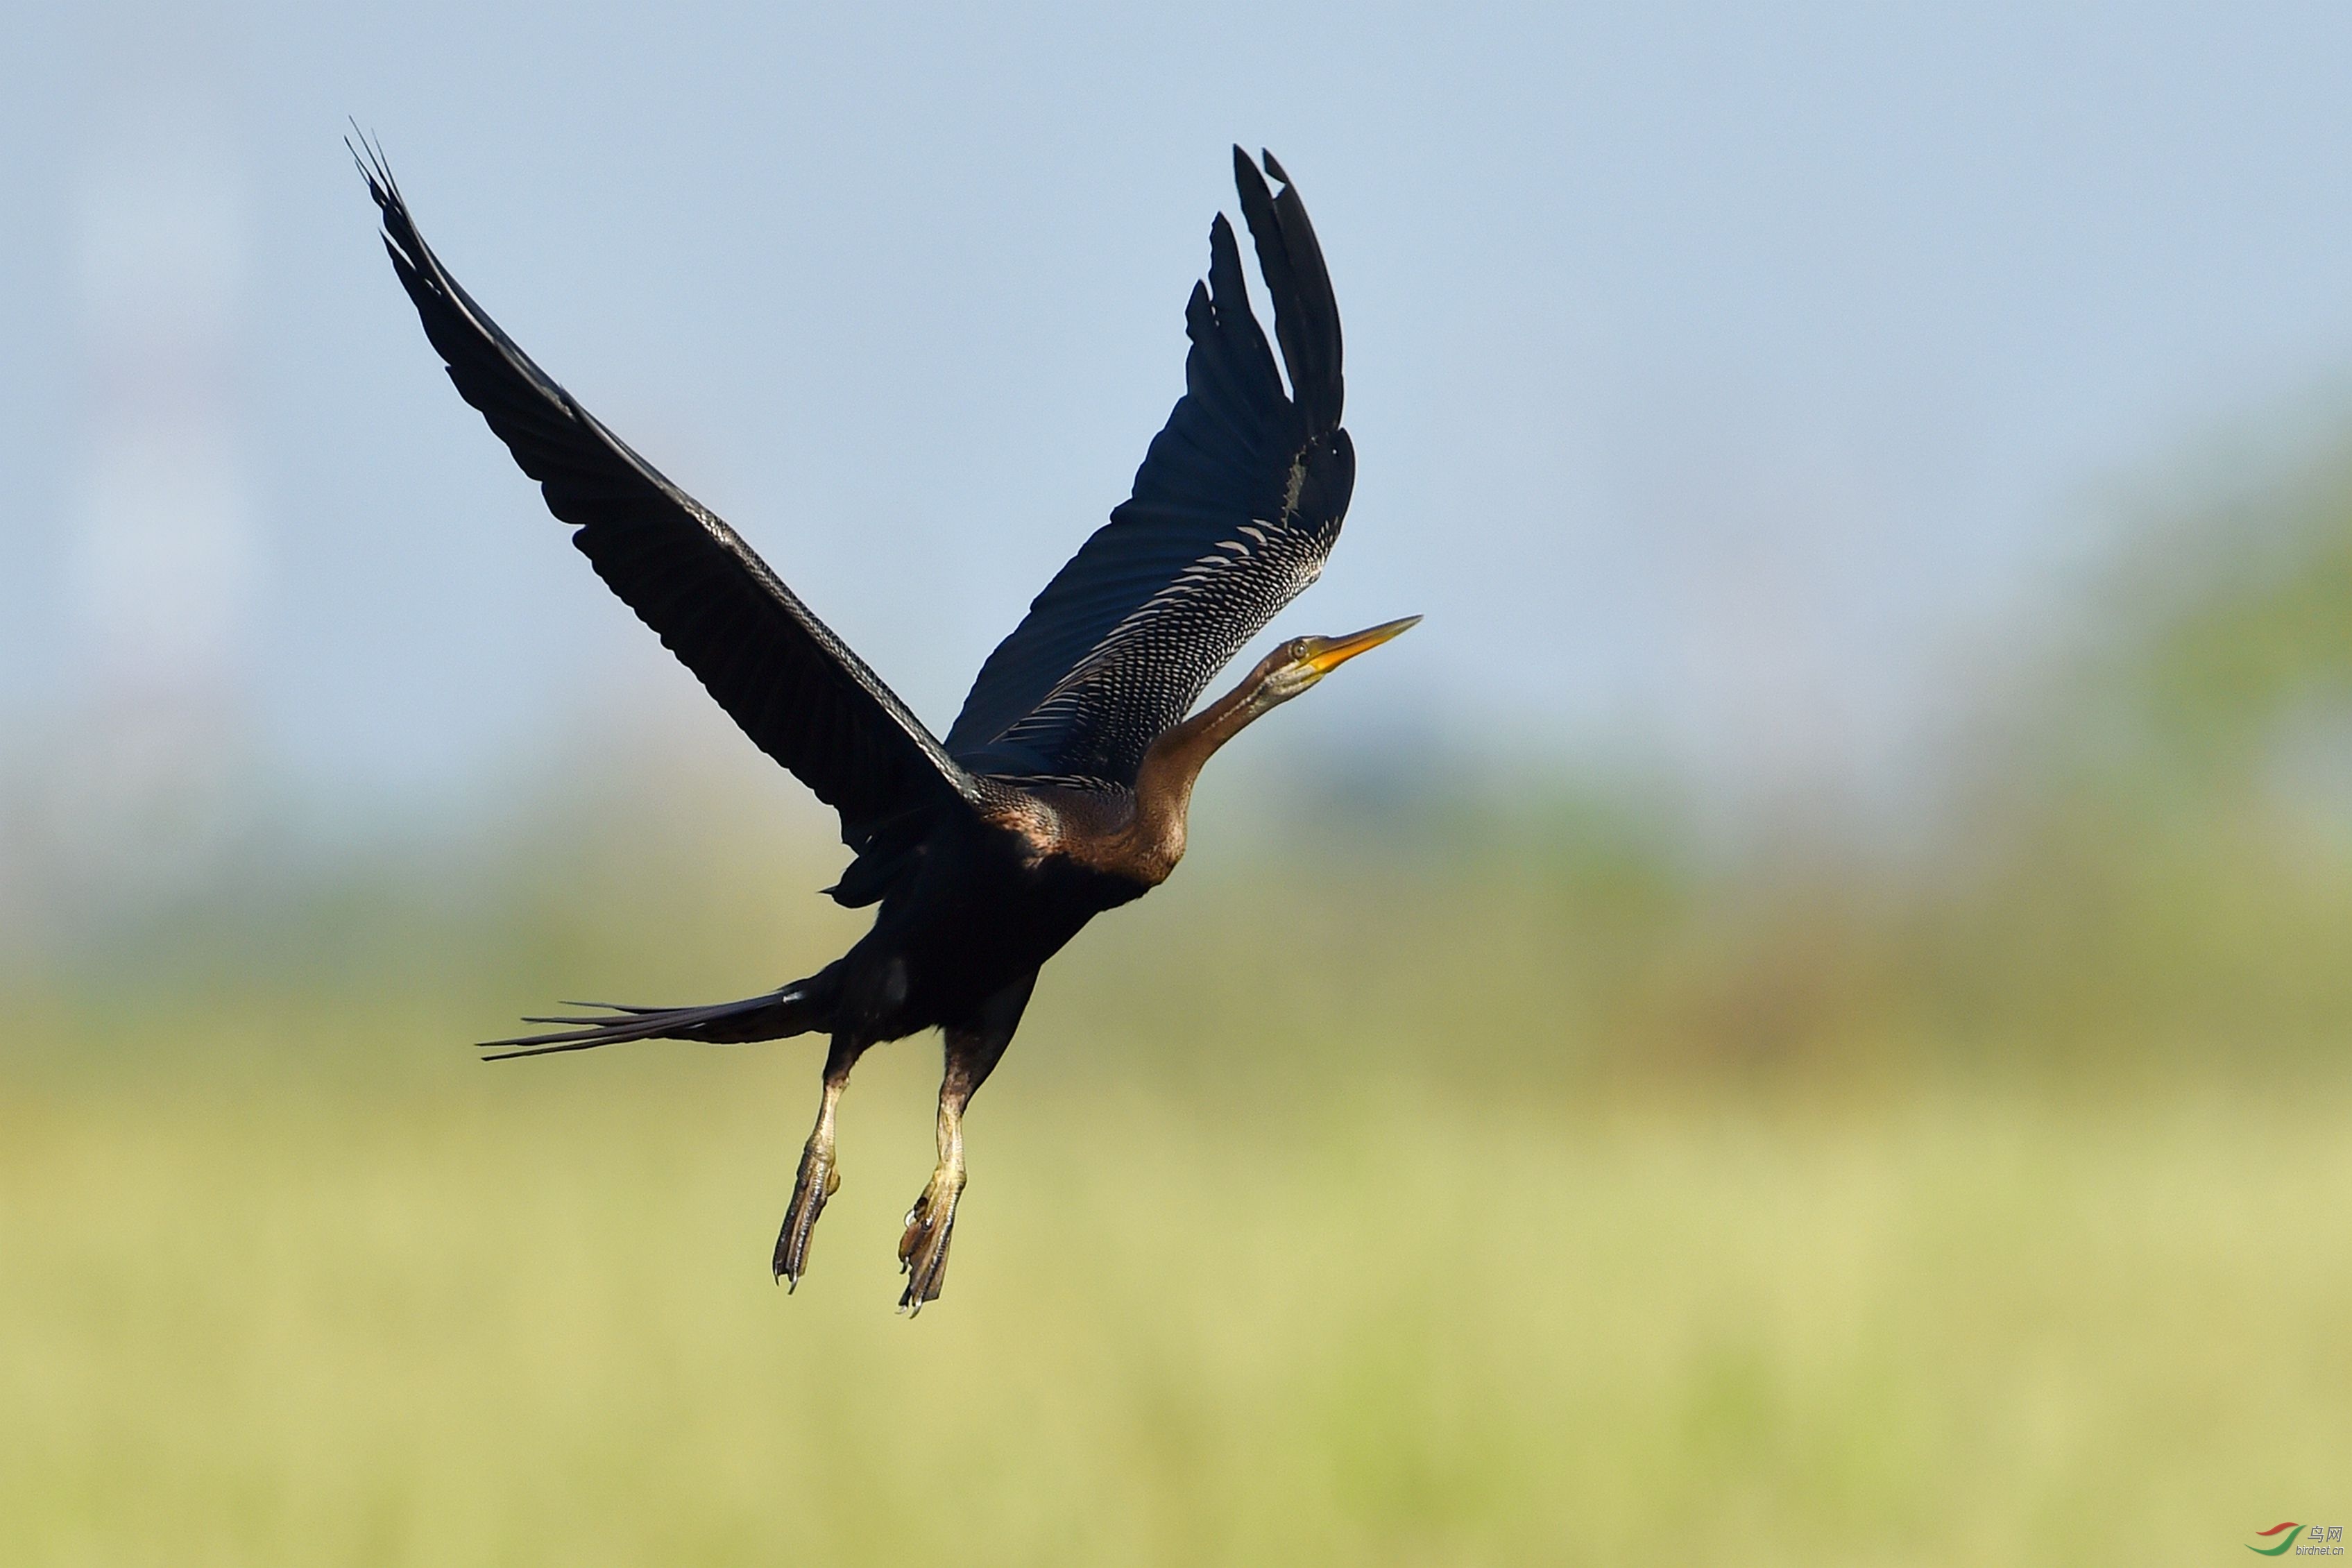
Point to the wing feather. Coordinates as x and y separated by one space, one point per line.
1239 501
794 686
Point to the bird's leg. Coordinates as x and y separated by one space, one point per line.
972 1055
930 1224
817 1180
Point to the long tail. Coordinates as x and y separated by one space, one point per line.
797 1009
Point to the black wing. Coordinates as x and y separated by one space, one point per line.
795 688
1235 506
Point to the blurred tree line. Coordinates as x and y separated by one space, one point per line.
2142 859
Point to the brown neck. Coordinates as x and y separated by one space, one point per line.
1163 782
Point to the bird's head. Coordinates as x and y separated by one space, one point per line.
1163 784
1302 661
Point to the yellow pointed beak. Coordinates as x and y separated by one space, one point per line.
1337 651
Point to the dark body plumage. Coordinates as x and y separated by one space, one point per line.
1060 791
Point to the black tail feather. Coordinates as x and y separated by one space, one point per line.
797 1009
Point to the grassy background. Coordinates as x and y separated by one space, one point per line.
460 1316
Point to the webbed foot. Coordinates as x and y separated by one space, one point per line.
817 1181
930 1225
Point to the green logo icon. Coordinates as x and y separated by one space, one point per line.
2286 1533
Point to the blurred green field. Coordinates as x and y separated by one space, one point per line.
452 1315
1427 1190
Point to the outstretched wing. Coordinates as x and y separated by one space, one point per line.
795 688
1237 504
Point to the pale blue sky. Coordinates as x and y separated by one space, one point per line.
1721 374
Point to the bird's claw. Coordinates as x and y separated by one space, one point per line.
817 1181
923 1250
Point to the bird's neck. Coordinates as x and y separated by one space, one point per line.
1163 782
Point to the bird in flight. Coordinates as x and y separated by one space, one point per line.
1061 789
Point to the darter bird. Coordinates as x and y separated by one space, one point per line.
1061 789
